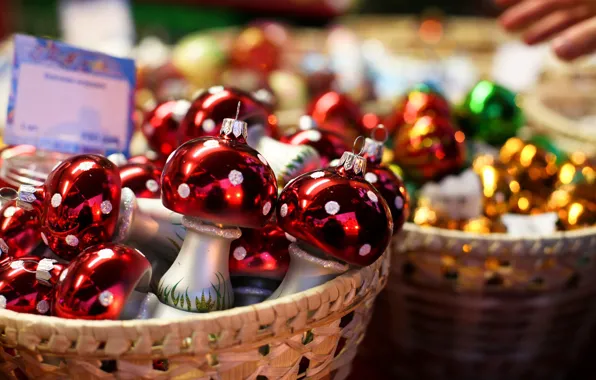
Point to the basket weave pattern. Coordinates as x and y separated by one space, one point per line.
312 334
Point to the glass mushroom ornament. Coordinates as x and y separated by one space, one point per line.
218 184
336 219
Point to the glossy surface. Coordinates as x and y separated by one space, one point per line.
329 145
144 159
338 113
259 47
142 179
498 186
160 126
417 103
80 205
20 228
260 253
26 285
220 180
337 212
98 283
429 149
490 113
211 107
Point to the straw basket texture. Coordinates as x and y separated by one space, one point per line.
313 334
469 307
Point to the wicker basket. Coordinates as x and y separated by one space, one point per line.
313 334
470 307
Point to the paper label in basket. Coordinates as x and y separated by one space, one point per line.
70 100
457 196
530 225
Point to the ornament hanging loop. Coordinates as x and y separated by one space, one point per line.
237 111
8 194
356 144
374 133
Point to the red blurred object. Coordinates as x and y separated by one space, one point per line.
221 180
260 253
98 283
26 284
429 149
20 228
142 179
210 108
417 103
337 113
161 126
390 186
259 47
79 204
145 160
165 82
337 212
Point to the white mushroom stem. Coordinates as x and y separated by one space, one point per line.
199 279
151 307
307 271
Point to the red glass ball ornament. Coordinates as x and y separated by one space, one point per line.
26 284
416 104
260 253
329 145
79 204
209 109
142 179
337 212
99 282
391 186
161 124
337 113
221 180
429 149
20 228
259 47
150 158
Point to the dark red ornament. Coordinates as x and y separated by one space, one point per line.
20 228
416 104
336 212
161 126
391 187
98 284
142 179
260 253
79 204
259 47
149 158
336 112
221 180
429 149
26 284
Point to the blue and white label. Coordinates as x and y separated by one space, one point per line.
70 100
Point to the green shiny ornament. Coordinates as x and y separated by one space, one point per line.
490 113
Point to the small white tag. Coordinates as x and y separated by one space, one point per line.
530 225
459 197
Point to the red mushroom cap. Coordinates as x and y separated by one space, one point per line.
260 253
98 283
207 112
142 179
161 126
337 113
337 212
20 228
81 204
220 180
26 284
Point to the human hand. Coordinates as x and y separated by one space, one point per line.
570 23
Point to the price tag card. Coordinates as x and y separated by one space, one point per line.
530 225
69 100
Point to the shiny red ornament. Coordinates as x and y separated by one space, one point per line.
261 253
100 281
150 158
329 145
259 47
142 179
20 228
221 180
416 104
79 204
161 125
429 149
26 284
391 186
338 213
337 113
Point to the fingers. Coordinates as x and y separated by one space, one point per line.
528 12
576 41
506 3
555 23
